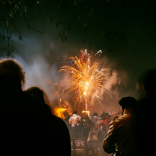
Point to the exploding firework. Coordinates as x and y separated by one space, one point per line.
86 80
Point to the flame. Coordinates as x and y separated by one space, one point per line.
58 111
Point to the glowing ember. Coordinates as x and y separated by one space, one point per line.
87 112
85 79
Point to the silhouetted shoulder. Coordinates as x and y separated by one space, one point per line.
61 137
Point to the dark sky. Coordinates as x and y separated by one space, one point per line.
124 30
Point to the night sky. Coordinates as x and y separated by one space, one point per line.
124 30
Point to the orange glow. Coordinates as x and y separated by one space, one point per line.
88 112
58 111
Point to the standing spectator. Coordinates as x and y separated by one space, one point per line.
26 127
146 114
76 124
86 129
93 134
122 130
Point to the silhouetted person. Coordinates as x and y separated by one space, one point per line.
146 114
122 130
86 129
26 127
94 118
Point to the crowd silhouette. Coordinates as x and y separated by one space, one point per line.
28 125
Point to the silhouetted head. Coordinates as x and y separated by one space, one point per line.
126 102
40 95
95 114
149 81
74 112
146 81
37 92
11 74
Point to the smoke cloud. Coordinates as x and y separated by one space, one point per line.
42 62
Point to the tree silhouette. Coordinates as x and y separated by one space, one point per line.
64 14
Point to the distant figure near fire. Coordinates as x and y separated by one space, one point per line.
76 124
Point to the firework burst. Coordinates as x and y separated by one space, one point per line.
85 78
